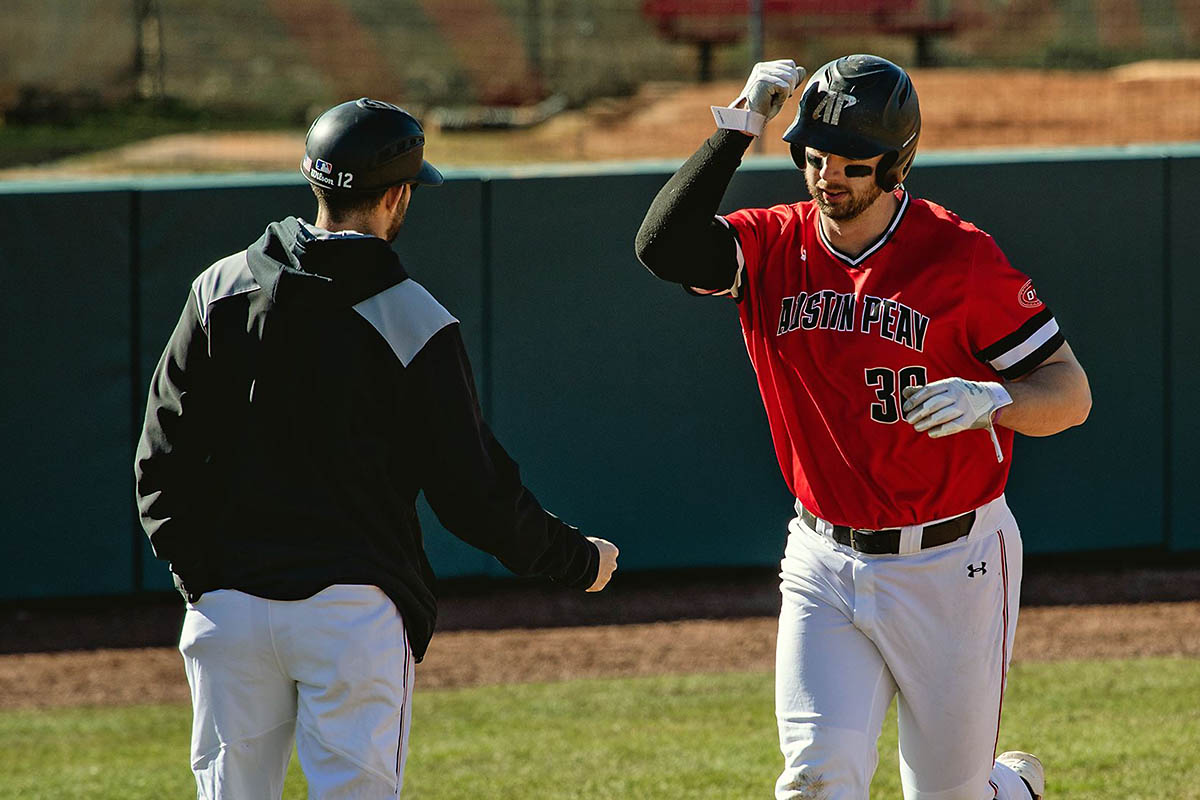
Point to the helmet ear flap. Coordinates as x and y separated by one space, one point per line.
886 174
797 151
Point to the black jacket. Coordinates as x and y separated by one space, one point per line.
310 390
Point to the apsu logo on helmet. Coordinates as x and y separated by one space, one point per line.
830 109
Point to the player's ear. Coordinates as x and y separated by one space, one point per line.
393 195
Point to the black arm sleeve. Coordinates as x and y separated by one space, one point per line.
680 239
171 470
473 485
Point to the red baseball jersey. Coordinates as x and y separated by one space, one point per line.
833 340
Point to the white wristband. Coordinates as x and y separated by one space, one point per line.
739 119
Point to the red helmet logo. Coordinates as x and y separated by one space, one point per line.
1028 296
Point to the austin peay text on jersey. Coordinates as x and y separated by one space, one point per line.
826 309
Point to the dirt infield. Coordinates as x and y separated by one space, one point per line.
487 636
1153 101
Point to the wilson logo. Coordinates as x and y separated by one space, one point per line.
830 109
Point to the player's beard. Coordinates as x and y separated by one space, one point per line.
849 208
397 221
396 224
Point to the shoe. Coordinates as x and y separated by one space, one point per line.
1029 768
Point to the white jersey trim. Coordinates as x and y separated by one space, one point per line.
226 278
321 234
874 248
1021 351
407 316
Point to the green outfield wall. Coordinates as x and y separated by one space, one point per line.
631 407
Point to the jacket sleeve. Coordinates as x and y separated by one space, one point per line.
473 485
680 239
170 468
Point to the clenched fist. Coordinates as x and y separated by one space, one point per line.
769 86
953 405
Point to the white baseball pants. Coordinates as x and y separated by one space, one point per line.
334 672
935 626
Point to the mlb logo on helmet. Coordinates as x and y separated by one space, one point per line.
323 166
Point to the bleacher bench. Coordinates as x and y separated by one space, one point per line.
711 22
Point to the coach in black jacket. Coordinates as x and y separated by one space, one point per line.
310 390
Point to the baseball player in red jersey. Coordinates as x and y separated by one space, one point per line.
897 352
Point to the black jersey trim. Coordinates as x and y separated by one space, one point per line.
1031 361
1017 337
874 248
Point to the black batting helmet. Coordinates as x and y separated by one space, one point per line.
857 107
366 145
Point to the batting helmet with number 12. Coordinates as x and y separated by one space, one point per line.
366 145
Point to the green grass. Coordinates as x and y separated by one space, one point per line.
102 129
1106 730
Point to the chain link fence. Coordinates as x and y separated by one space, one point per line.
282 58
101 87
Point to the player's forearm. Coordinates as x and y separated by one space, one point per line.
680 240
480 498
1052 398
474 486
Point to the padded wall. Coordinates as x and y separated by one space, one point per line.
1183 300
630 405
65 394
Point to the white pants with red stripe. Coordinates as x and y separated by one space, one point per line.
934 626
334 672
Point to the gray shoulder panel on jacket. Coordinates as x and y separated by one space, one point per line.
227 277
406 316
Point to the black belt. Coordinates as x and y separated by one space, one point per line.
888 541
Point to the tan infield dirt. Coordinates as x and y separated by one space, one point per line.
1144 102
484 640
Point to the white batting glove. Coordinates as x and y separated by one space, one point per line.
954 405
608 562
769 86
